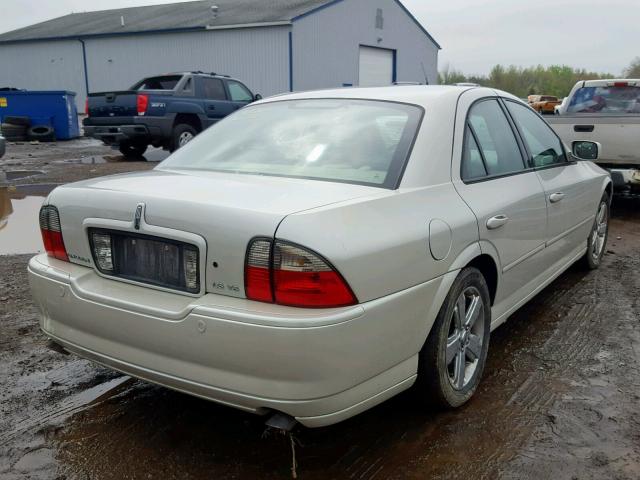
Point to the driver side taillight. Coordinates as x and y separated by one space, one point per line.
52 233
291 275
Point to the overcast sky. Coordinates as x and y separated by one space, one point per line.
599 35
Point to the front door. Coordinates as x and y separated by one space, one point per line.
569 188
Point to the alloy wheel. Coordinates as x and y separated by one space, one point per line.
465 338
599 233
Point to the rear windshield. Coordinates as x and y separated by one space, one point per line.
351 141
166 82
614 100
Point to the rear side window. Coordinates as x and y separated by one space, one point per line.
239 92
495 138
166 82
472 162
213 89
622 99
544 146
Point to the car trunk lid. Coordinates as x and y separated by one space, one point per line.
224 210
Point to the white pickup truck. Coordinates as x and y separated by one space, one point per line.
606 112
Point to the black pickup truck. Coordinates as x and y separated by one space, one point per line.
164 111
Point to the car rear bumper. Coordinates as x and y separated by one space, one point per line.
114 130
318 366
625 178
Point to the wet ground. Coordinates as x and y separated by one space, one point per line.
560 398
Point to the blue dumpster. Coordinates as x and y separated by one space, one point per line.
54 108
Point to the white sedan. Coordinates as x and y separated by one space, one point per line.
316 253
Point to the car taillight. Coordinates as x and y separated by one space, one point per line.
86 107
257 275
143 104
52 233
292 275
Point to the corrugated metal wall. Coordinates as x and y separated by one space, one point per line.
257 56
326 44
43 66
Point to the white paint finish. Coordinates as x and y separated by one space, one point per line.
257 56
54 65
321 366
375 67
326 45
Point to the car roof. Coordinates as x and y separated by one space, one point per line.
423 95
610 82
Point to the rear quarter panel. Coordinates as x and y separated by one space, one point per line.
382 246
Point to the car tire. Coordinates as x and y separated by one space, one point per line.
14 133
452 360
181 135
42 133
598 235
131 149
15 120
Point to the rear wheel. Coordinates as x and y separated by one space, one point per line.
598 236
182 134
453 358
132 149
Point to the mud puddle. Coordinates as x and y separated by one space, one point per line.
19 228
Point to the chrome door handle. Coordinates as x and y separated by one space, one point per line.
497 222
556 197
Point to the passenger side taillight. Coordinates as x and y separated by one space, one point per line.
52 233
292 275
143 104
86 107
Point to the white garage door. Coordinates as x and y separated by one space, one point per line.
376 67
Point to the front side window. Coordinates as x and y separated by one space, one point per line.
495 138
352 141
544 146
213 89
623 99
238 92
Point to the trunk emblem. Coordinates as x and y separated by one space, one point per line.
138 216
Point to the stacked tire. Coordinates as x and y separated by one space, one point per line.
19 129
15 129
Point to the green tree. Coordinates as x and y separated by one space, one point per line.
633 71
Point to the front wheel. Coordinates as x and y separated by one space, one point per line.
453 358
182 134
598 235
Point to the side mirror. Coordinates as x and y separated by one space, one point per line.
584 150
257 97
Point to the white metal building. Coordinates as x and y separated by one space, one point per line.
274 46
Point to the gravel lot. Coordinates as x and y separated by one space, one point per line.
560 398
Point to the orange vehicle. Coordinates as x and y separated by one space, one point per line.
543 104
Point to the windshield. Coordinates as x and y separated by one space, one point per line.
352 141
614 100
166 82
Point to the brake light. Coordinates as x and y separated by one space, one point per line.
257 277
292 275
621 84
52 233
143 104
86 107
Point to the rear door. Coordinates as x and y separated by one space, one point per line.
570 189
215 101
505 194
